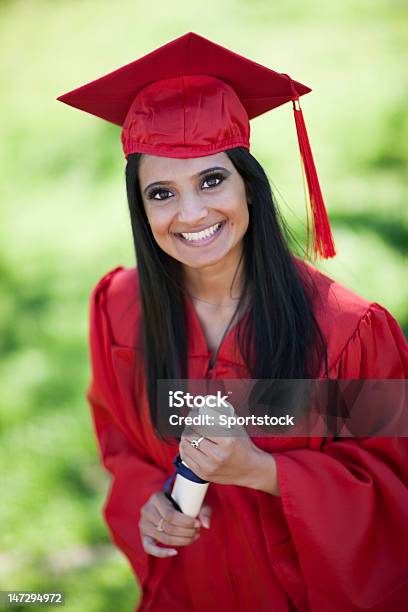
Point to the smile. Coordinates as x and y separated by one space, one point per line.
204 237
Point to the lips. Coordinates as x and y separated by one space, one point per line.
202 229
201 241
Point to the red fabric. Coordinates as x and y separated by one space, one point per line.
323 243
185 116
110 97
335 540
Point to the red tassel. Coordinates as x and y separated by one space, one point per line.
323 243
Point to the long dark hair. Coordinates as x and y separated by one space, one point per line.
285 334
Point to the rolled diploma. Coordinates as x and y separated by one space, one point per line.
188 493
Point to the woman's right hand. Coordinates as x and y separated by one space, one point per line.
178 529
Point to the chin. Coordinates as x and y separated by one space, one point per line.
198 263
197 260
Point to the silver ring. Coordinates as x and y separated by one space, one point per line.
160 524
195 443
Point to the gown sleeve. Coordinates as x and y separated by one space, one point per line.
134 477
346 503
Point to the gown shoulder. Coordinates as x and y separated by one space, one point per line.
363 338
118 293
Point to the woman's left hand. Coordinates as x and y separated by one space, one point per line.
229 460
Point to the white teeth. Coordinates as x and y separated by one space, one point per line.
204 234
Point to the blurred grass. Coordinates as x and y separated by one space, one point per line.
64 222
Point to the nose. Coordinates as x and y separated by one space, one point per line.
192 210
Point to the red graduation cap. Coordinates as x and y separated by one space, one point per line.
192 97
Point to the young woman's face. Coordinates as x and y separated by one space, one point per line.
197 208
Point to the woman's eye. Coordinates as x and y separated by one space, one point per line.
211 181
158 192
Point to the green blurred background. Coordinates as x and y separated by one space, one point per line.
64 223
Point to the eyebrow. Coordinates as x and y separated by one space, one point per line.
166 182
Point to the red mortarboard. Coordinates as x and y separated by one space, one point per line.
192 97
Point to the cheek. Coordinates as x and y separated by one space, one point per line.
243 223
236 202
159 222
238 211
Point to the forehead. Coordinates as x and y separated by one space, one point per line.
154 167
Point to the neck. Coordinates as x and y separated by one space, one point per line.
219 284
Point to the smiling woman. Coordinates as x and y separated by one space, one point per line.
218 273
218 294
203 204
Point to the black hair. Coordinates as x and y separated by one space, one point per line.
287 340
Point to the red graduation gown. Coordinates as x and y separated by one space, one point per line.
337 537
